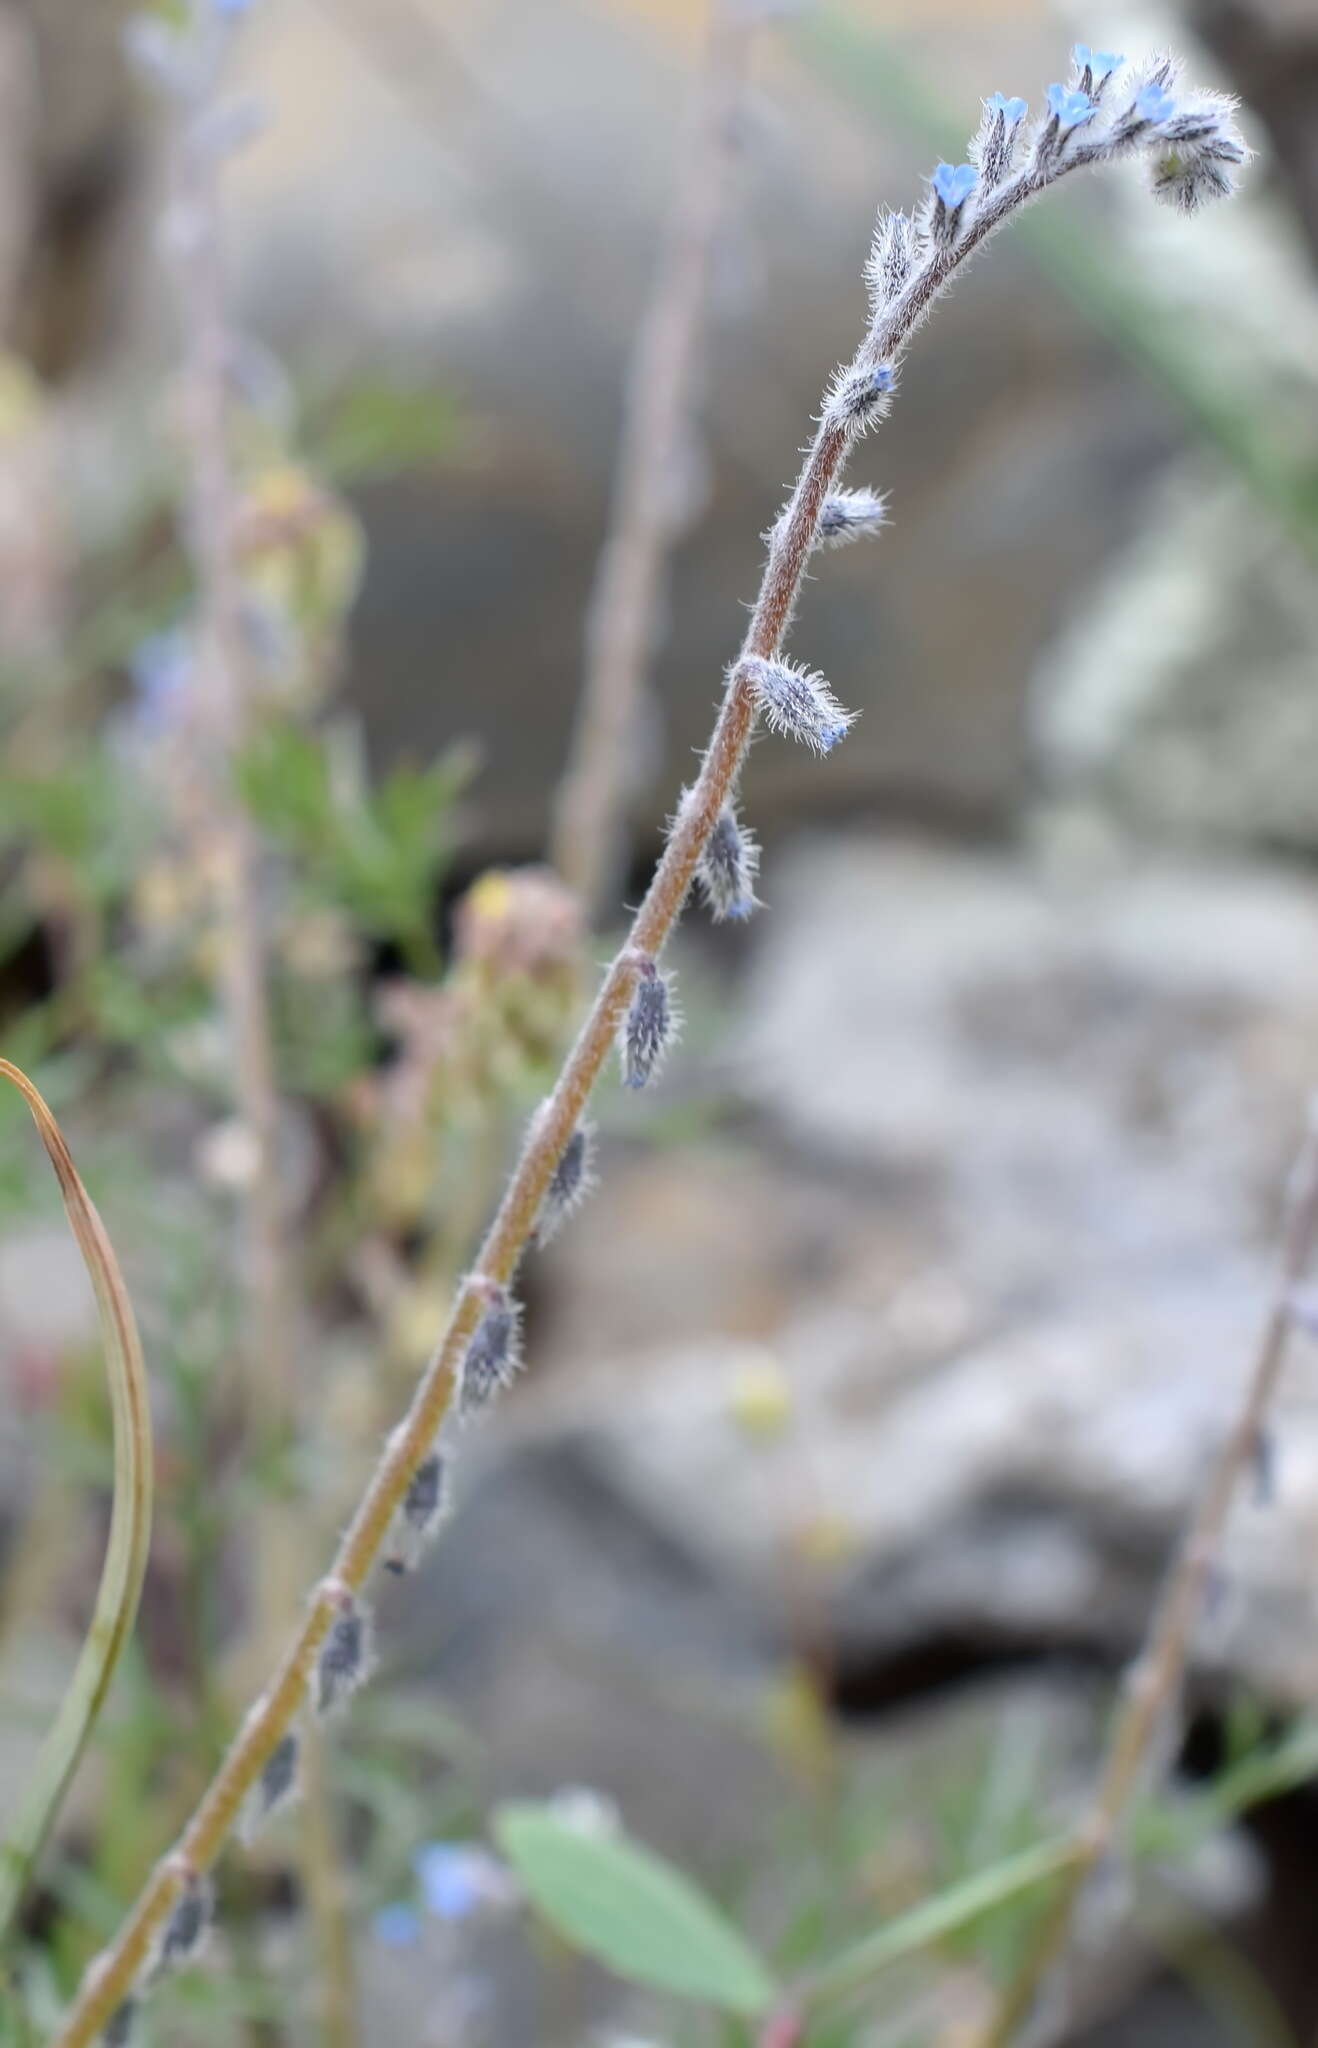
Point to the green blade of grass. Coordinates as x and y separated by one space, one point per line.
934 1919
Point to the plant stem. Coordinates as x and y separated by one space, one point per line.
112 1976
222 719
600 776
326 1897
1154 1679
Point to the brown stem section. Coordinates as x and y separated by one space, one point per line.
220 713
599 778
1155 1678
113 1975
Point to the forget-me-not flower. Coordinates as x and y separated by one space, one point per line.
1070 108
1100 64
1154 103
458 1879
954 184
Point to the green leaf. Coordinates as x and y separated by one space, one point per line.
631 1911
376 428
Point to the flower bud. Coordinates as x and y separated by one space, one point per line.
492 1356
569 1184
344 1659
419 1514
648 1028
797 701
188 1924
275 1785
727 868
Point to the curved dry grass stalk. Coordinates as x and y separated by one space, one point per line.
130 1518
953 226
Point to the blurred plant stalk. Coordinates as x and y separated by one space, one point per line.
220 716
649 509
220 708
1155 1678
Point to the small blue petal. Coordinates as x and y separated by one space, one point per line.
397 1926
884 378
954 184
1154 103
161 669
457 1879
1013 111
1105 62
1070 108
445 1875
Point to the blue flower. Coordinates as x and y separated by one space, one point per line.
161 668
1154 103
954 184
1069 108
457 1879
445 1874
397 1926
1099 63
1012 111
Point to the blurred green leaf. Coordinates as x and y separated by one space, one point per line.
376 853
633 1912
377 428
283 777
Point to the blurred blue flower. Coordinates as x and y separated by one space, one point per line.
160 667
954 184
1013 111
1099 63
457 1879
1154 103
397 1925
1070 108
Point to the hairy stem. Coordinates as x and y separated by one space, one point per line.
113 1974
1155 1678
599 778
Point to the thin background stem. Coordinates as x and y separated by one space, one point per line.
601 774
222 708
1155 1678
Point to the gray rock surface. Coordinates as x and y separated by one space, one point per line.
996 1241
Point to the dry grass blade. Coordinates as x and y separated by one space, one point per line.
130 1520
